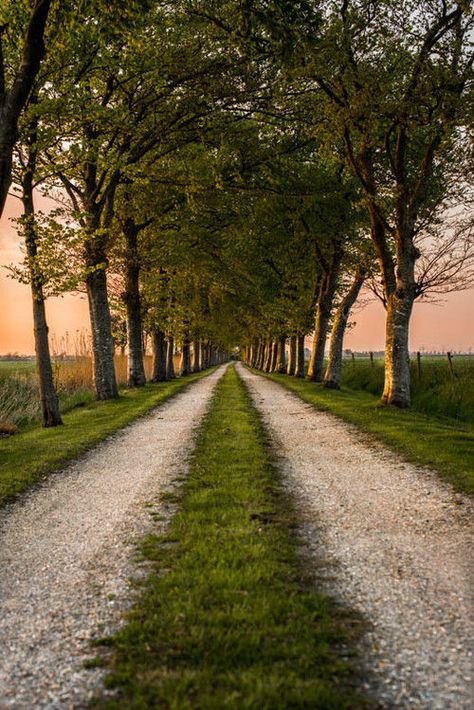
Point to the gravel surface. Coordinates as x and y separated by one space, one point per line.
398 547
67 551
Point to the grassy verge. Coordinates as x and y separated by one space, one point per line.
36 451
231 623
437 393
445 445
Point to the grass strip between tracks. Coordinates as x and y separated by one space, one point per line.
228 617
36 452
445 445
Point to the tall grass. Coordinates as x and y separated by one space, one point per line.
73 379
437 392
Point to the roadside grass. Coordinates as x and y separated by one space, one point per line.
227 617
436 393
445 445
35 451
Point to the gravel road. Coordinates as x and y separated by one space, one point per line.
397 545
67 553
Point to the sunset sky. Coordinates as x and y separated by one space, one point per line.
446 326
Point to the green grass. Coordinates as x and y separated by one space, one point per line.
446 445
226 618
436 394
14 367
35 452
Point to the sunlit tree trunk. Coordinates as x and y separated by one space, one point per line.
170 373
267 365
321 325
397 354
292 356
299 367
332 377
273 355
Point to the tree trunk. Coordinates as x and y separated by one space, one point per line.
327 292
273 355
196 355
280 364
299 366
292 358
102 342
48 398
49 401
13 102
170 373
202 358
159 356
267 365
136 369
185 367
397 356
332 377
321 327
254 353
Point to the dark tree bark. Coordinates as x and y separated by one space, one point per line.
299 367
332 377
280 364
99 310
292 356
13 101
170 373
260 355
136 369
185 367
196 355
49 401
203 359
254 353
159 356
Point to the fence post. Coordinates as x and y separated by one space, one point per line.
450 363
418 365
371 358
353 361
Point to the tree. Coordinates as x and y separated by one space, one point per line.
16 84
394 81
35 275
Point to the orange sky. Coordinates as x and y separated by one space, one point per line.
448 326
